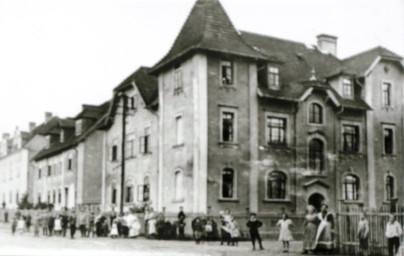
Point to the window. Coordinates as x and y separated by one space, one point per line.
10 197
146 189
390 188
39 173
49 197
228 126
17 197
350 138
177 80
132 102
276 185
66 195
59 196
113 194
114 153
145 142
273 77
49 170
227 72
79 127
315 113
347 88
129 193
69 164
228 183
39 197
178 177
316 155
62 136
386 94
130 145
388 141
179 130
54 197
350 188
276 130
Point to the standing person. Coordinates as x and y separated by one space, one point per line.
28 222
393 233
114 229
20 224
58 226
197 229
133 224
310 230
285 235
209 228
151 223
91 224
181 223
324 236
253 224
65 222
123 225
72 224
363 234
234 231
82 222
44 223
51 223
14 225
225 218
36 223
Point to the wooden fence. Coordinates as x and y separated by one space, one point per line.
348 220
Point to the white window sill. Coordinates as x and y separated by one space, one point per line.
268 200
225 144
228 199
352 201
228 86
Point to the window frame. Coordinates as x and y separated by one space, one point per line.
234 192
70 164
178 79
130 145
391 98
144 142
357 188
322 114
114 193
286 186
179 130
129 197
49 170
223 63
394 190
287 128
235 126
391 127
351 84
275 75
324 161
359 137
180 197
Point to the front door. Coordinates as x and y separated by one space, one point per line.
316 199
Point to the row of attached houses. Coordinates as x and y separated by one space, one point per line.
230 119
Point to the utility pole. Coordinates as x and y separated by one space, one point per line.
124 109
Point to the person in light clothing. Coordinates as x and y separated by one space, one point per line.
285 235
363 235
58 226
393 233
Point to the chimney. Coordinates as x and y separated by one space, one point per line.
327 43
48 116
6 136
32 126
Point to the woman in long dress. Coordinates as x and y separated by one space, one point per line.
151 223
310 230
133 224
324 236
363 235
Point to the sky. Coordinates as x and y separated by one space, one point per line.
56 55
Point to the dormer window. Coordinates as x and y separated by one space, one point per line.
227 72
386 94
347 88
273 77
62 136
79 127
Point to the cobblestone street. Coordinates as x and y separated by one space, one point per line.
26 244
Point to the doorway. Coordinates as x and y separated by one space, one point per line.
316 200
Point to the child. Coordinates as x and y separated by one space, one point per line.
285 235
13 225
114 229
58 226
363 234
253 224
21 225
234 231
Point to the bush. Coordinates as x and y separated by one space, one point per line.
24 204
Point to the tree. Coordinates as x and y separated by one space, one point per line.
24 203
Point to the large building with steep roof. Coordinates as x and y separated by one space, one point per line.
255 123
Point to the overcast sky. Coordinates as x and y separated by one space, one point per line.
56 55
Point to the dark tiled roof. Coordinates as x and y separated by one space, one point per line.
208 28
145 83
297 60
359 63
93 112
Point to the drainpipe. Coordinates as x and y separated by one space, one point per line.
125 103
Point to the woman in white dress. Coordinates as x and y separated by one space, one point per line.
134 225
285 235
58 226
151 218
20 225
114 229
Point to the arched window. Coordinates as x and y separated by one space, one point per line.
228 183
316 155
276 185
129 193
350 188
178 178
315 113
389 187
113 193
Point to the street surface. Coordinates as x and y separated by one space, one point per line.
27 244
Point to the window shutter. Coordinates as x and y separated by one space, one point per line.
110 153
140 193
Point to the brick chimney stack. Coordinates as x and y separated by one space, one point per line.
327 43
48 116
31 126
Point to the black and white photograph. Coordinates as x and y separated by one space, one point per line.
201 127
